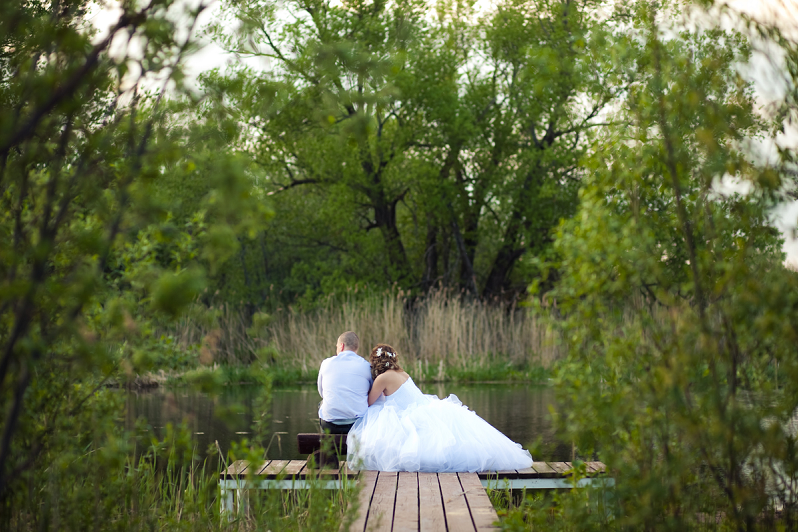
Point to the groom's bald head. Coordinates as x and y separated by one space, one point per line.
350 340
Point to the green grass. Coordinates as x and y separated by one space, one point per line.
286 375
494 371
163 488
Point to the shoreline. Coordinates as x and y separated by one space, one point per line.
284 377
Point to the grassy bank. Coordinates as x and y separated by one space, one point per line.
286 375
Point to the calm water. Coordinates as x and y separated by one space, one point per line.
519 411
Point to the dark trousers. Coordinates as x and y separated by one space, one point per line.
332 428
329 457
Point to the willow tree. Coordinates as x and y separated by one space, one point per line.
333 70
423 147
531 85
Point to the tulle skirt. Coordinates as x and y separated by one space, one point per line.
430 434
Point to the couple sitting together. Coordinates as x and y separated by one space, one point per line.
392 426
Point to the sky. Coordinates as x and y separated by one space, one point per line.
784 13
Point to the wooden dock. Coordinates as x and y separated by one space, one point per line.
434 502
406 501
282 469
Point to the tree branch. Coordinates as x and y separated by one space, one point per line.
293 184
71 85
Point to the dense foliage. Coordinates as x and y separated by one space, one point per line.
90 260
680 319
608 153
414 146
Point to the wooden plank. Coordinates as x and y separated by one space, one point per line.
330 473
344 471
493 475
368 482
316 469
458 518
560 467
274 468
405 513
335 474
596 467
431 515
256 467
544 470
304 471
529 472
235 469
482 512
294 467
380 518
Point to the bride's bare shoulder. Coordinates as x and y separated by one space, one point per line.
392 376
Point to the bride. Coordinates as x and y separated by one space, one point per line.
405 430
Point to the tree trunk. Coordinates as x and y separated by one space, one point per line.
247 280
468 239
385 216
511 249
385 219
430 258
467 278
502 268
262 271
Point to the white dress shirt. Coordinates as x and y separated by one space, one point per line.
344 384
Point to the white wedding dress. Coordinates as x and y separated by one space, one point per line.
410 431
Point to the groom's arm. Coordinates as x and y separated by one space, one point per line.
318 381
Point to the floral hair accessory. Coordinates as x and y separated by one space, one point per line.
387 364
379 351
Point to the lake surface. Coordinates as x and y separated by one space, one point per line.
518 410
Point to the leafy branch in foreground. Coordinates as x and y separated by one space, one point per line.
88 134
680 317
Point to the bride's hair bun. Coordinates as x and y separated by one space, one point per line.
383 358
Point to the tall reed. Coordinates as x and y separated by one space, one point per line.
439 329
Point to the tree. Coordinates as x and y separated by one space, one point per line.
533 85
455 138
87 131
679 316
332 72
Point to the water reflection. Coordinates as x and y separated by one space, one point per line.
519 411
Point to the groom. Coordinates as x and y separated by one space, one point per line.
344 384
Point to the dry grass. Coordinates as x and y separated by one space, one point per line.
439 329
